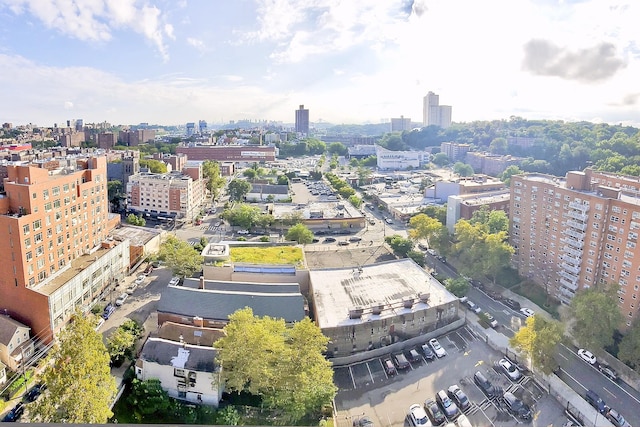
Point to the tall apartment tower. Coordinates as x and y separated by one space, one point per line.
578 232
202 127
400 124
433 113
54 223
302 120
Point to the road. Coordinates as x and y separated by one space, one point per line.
576 373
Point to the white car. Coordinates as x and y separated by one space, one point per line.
587 356
473 307
418 415
510 369
527 312
140 279
121 299
243 231
437 348
388 220
174 281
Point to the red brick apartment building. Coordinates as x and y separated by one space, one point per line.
234 153
576 232
53 227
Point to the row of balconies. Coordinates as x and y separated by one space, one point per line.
577 225
571 268
570 277
573 233
577 215
569 250
573 242
579 206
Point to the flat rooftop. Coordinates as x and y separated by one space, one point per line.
328 210
336 291
137 235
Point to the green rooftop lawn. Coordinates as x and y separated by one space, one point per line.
270 255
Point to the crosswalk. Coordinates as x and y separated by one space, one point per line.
209 228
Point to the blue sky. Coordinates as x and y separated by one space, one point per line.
175 61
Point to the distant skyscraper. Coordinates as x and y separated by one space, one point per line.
79 125
302 120
435 114
202 126
191 129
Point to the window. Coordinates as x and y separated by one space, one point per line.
29 256
45 194
27 243
47 206
25 229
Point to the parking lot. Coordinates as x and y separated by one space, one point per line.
365 388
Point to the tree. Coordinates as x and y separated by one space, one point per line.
251 174
338 148
629 348
79 382
238 188
440 159
462 169
300 233
417 256
498 146
508 173
458 286
242 215
435 211
180 257
283 180
363 174
134 219
215 181
399 244
355 201
537 341
284 365
148 397
155 166
422 226
119 342
600 304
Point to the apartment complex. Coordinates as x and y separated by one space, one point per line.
435 114
576 232
455 151
174 194
302 120
400 124
54 222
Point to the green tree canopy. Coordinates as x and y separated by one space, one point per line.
399 244
600 304
422 226
440 159
238 188
498 146
629 348
155 166
458 286
134 219
80 388
243 215
148 397
284 365
509 172
435 211
338 148
463 169
300 233
180 257
537 341
215 181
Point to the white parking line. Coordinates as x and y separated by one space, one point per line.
352 379
465 341
370 374
563 356
453 342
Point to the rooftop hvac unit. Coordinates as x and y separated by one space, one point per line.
377 309
424 297
407 302
355 313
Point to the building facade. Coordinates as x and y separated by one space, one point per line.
302 120
173 194
400 124
229 153
55 219
399 160
455 151
578 232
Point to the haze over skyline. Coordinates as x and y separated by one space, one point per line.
171 62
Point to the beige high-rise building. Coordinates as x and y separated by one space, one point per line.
578 232
433 113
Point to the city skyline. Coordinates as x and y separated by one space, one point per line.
172 62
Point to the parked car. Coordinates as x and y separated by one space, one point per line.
587 356
355 239
617 419
35 392
14 414
121 299
108 311
458 396
527 312
363 421
389 367
417 415
447 405
243 231
437 348
432 252
473 307
329 239
174 281
594 400
512 304
608 372
428 353
490 319
434 412
463 421
509 369
516 406
140 279
148 270
485 385
414 356
343 243
401 361
372 221
132 287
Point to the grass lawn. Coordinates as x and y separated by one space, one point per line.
271 255
537 295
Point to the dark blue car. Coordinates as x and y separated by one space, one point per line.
108 311
14 414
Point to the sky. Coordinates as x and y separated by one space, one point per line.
348 61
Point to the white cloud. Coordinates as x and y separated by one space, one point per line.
95 20
196 43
